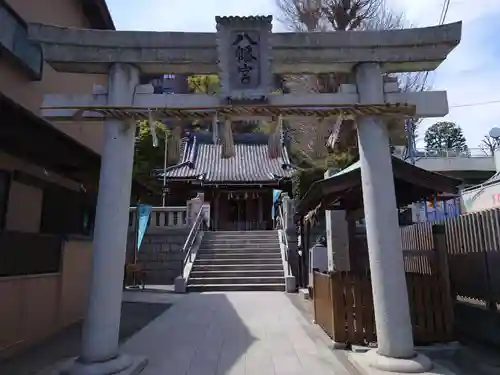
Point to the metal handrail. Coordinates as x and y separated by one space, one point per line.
283 236
162 209
193 233
452 153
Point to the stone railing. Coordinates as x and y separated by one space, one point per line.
452 153
287 234
174 217
190 248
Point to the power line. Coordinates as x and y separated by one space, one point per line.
411 138
442 18
475 104
444 11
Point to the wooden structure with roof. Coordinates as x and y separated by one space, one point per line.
239 189
343 191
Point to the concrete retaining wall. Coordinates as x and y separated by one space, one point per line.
160 255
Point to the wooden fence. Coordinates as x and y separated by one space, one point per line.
343 302
473 250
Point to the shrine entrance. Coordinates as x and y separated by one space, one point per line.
246 55
238 210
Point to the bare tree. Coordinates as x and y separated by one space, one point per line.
337 15
300 15
489 144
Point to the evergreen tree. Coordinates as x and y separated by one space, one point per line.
444 136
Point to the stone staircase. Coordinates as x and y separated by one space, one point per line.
238 261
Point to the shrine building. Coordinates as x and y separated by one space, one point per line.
238 188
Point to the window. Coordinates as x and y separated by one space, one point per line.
4 196
66 211
14 40
29 254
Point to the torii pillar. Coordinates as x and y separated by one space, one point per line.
100 355
395 350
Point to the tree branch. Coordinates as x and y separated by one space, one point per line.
339 15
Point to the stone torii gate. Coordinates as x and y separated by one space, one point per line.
245 54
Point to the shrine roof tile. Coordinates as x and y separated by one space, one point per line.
202 160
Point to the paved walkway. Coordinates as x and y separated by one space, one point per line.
226 334
234 334
138 310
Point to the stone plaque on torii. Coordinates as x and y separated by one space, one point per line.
243 48
245 71
245 93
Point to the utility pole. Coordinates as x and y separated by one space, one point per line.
164 189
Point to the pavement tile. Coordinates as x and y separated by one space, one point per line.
233 333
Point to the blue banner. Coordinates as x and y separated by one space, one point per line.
143 212
276 195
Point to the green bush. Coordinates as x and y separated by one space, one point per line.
302 180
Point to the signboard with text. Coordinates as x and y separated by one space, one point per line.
244 57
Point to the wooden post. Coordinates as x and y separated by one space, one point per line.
339 313
332 304
484 225
315 300
305 256
439 240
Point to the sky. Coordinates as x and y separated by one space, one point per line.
470 75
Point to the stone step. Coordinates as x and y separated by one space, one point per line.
249 245
229 261
237 255
237 273
241 238
279 287
236 267
235 280
241 232
229 236
257 250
